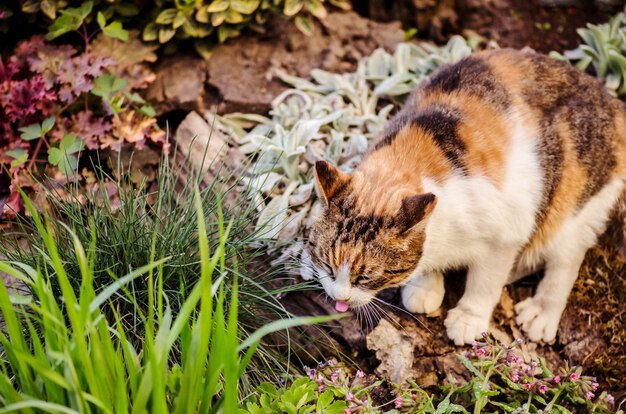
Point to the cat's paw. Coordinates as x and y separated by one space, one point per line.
538 321
422 299
463 326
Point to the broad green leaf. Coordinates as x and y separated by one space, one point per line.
49 8
71 144
304 24
113 30
69 20
179 20
202 15
31 132
166 34
245 6
148 111
167 16
31 6
47 125
218 18
342 4
150 32
218 6
19 155
225 32
101 20
233 17
292 7
316 8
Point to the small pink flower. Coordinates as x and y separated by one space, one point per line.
556 380
543 389
610 399
349 397
398 402
515 376
334 376
475 345
481 351
312 373
574 376
594 386
414 396
589 395
360 374
527 387
347 411
321 388
320 379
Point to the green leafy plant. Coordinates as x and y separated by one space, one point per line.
52 96
331 117
499 381
604 49
205 21
61 351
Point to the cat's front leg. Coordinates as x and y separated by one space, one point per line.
424 292
485 280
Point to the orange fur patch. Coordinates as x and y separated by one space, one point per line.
568 191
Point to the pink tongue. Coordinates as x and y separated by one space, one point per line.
341 306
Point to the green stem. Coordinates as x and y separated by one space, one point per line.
553 401
527 408
479 406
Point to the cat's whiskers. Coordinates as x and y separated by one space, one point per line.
405 312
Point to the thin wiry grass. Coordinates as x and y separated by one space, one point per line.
61 353
160 222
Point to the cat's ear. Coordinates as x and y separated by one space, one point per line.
329 180
415 209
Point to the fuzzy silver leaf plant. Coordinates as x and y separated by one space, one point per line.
331 117
603 48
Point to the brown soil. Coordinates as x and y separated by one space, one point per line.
520 23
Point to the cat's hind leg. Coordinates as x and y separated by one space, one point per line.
540 315
424 292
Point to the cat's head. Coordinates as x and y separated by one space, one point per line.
362 245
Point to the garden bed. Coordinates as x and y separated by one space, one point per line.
243 75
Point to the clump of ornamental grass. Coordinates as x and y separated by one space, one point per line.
70 350
129 227
499 381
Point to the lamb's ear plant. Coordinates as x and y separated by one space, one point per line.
603 49
331 116
62 353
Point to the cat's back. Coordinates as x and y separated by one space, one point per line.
524 122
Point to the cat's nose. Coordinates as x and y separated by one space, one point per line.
342 294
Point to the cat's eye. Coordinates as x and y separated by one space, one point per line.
327 268
361 279
397 271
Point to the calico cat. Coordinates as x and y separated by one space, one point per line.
504 163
